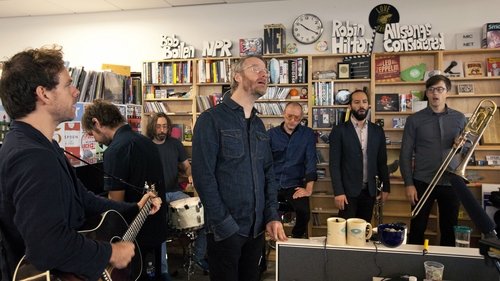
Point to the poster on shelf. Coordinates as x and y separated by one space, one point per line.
386 102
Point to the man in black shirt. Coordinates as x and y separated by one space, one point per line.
133 158
42 202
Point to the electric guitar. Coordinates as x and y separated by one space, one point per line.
106 227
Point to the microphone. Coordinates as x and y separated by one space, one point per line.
476 212
452 65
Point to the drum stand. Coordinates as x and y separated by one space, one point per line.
189 256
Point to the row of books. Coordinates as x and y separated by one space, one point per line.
214 71
160 92
288 71
155 106
106 85
270 108
328 117
324 93
167 72
205 102
275 92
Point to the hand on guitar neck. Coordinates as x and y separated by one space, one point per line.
153 199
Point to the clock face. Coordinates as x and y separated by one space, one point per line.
307 28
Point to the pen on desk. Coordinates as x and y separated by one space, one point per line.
426 247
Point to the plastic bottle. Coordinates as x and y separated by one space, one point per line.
150 271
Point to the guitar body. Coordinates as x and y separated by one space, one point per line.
103 228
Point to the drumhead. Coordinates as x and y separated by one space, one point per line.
191 201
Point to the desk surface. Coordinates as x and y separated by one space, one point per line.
319 242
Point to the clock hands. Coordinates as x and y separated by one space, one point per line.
309 29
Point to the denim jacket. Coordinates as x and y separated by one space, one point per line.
233 172
294 156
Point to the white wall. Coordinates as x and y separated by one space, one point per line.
129 38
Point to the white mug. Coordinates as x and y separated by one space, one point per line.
336 233
358 231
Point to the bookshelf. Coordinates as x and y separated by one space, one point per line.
202 82
397 208
328 107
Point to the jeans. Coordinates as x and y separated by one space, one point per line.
235 258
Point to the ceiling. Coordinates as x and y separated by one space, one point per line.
26 8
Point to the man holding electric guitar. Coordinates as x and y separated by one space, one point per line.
42 203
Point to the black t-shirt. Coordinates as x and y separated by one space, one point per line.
172 153
135 159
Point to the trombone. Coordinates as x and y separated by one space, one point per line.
471 134
379 204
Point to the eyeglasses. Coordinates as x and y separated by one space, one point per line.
440 90
257 69
291 117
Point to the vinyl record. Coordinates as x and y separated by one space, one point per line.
274 71
342 97
382 15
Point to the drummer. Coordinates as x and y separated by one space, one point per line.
174 158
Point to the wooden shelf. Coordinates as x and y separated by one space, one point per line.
342 80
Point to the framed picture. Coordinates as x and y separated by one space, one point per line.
465 88
474 69
343 70
386 102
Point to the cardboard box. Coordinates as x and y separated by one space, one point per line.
274 39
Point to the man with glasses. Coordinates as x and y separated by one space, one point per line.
233 173
294 155
428 137
357 155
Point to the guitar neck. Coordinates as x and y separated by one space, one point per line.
137 223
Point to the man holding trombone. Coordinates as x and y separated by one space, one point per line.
428 137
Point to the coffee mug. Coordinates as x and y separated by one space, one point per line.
336 233
358 231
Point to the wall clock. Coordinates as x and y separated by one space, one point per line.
307 28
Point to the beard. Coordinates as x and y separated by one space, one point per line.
160 137
360 116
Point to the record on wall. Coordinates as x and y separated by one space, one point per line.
381 15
